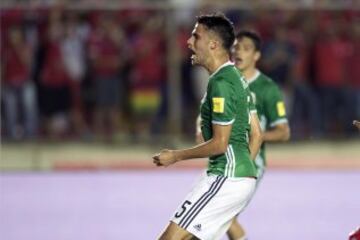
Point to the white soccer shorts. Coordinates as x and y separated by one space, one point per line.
209 208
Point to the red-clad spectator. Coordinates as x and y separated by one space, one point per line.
148 62
265 22
305 119
18 90
147 73
17 56
331 58
75 65
106 46
55 80
353 68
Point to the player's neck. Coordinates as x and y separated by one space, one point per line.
216 63
249 73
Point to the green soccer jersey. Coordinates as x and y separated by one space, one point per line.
270 108
227 101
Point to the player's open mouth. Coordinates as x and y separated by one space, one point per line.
238 60
193 55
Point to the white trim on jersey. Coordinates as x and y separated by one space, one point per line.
233 160
230 162
223 123
228 63
253 78
279 121
253 111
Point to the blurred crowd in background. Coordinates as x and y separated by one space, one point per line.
95 74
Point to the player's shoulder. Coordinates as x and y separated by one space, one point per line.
266 80
226 72
268 83
228 75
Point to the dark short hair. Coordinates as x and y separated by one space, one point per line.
220 25
255 38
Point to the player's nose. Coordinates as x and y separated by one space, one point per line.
189 43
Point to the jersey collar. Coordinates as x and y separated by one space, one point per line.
256 75
228 63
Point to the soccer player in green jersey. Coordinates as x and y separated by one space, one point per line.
228 184
268 100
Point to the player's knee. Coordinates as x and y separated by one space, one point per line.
171 236
235 231
165 235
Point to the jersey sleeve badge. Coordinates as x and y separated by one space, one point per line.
280 106
218 104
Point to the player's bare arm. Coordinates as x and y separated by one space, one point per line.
256 135
279 133
215 146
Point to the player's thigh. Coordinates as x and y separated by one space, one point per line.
175 232
260 173
208 210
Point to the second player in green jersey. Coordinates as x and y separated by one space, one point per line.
268 100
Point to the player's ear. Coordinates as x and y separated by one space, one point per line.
257 55
213 44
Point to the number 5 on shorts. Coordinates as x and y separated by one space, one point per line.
183 209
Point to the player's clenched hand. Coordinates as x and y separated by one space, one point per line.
164 158
357 124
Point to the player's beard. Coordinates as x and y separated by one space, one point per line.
194 59
197 59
